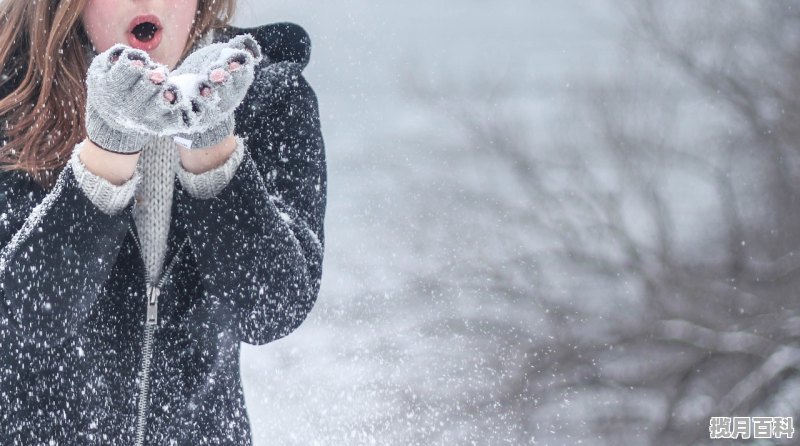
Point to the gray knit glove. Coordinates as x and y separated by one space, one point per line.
212 82
126 103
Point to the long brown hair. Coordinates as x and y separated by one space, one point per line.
43 55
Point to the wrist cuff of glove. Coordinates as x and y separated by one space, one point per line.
212 136
111 139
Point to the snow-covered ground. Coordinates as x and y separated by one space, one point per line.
364 369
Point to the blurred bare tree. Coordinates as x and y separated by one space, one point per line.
645 257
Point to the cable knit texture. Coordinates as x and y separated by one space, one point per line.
153 209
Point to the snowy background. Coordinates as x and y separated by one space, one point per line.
383 358
548 223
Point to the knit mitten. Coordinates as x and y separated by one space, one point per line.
128 100
212 82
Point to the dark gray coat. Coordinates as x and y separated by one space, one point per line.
74 293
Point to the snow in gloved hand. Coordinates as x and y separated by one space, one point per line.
211 83
132 98
125 104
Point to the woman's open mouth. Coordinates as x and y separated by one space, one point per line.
144 32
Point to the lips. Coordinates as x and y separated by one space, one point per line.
144 32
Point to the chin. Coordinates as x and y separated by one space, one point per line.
164 60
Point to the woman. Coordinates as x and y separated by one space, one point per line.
138 251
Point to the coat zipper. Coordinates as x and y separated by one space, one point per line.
153 293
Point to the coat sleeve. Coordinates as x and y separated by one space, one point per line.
58 249
259 242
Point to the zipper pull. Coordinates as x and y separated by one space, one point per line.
152 304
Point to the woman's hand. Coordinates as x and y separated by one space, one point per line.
129 100
212 82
